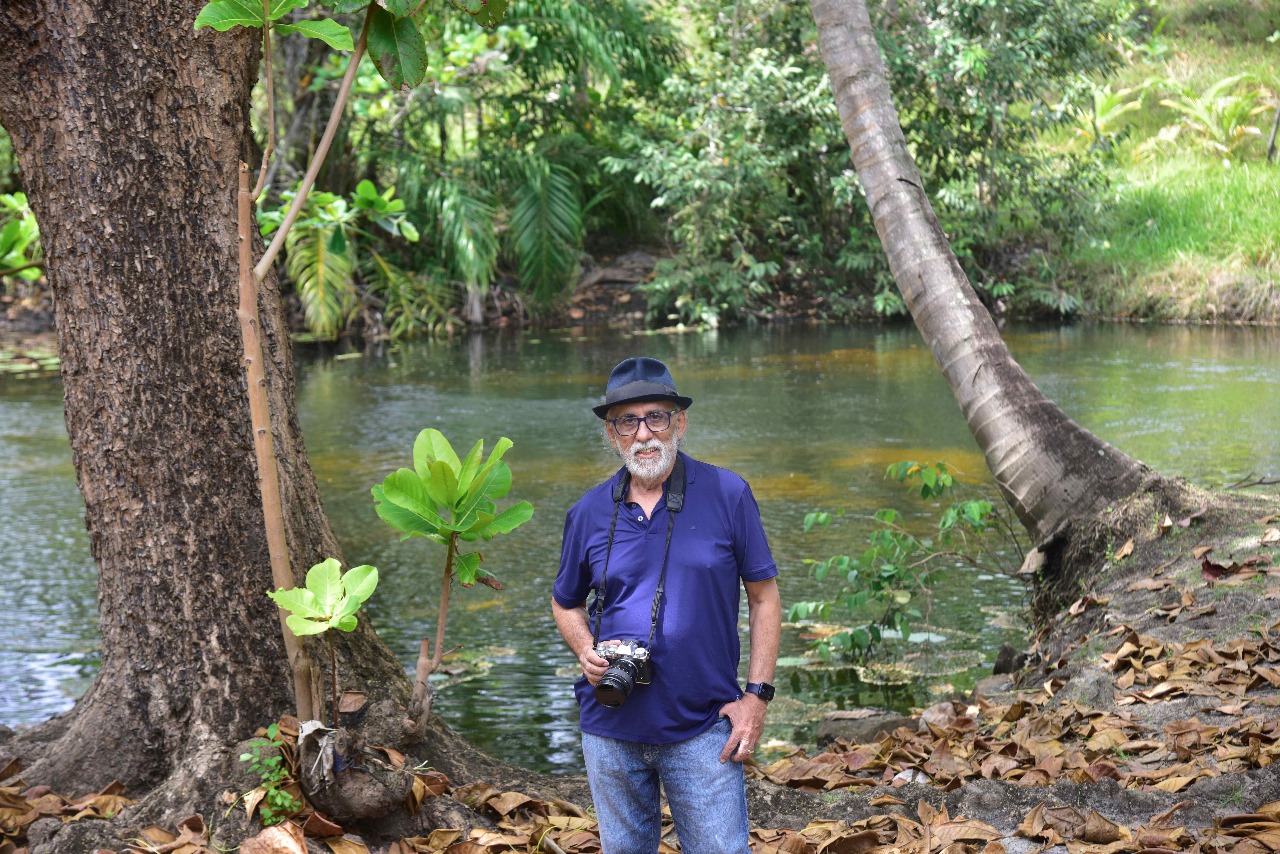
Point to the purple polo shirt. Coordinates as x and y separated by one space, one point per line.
717 543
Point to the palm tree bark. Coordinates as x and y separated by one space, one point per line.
128 126
1050 468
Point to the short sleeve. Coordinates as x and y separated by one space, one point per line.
755 559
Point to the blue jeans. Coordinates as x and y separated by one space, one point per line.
708 799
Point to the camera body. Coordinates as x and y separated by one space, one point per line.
629 666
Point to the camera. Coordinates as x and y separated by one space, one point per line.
629 665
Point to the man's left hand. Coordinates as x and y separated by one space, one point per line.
747 717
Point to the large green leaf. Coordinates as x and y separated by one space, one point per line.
323 278
469 467
484 482
397 49
400 8
324 580
465 567
222 15
405 521
302 627
359 583
445 479
546 227
298 600
491 485
510 519
431 445
330 32
404 489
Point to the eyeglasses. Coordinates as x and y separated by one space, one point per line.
657 421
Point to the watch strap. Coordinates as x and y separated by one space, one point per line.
763 690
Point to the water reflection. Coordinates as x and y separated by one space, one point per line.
810 416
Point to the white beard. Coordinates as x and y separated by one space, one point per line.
650 473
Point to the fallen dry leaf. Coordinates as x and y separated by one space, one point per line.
283 838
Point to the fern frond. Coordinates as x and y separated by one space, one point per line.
412 304
546 227
467 226
321 267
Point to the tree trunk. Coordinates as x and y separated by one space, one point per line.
1049 467
128 125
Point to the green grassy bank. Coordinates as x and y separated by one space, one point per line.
1191 228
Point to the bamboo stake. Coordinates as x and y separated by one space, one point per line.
264 449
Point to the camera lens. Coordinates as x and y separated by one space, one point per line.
616 683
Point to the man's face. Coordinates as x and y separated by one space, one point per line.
648 455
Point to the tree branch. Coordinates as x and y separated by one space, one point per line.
12 270
335 116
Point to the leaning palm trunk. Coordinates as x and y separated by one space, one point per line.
1049 467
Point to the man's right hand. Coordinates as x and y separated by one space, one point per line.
593 666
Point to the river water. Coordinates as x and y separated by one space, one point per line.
810 416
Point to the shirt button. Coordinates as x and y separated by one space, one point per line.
640 518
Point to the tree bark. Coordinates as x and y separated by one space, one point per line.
1049 467
128 126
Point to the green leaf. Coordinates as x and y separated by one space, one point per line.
302 627
366 190
444 477
431 445
330 32
222 15
495 484
359 583
510 519
297 600
470 466
488 13
279 8
344 623
409 231
400 8
324 580
397 49
403 520
405 490
465 567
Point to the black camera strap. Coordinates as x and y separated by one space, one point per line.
675 503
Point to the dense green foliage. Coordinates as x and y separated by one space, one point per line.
709 129
705 132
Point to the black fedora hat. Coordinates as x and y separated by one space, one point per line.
636 379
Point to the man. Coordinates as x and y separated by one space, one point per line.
666 544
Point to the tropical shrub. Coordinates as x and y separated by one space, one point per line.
893 575
334 263
450 502
329 600
1218 121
